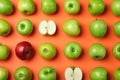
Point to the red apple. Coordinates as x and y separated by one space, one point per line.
24 50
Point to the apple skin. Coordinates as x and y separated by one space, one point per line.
96 7
4 52
71 27
5 28
98 28
97 51
24 50
24 27
47 51
48 6
47 73
23 73
116 28
72 50
116 50
115 7
6 7
26 7
3 73
117 74
72 6
98 73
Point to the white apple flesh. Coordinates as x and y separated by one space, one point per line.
47 27
73 73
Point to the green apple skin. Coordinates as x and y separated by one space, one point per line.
116 28
47 51
47 73
116 50
117 74
96 7
6 7
22 73
98 28
5 27
24 27
97 51
3 73
98 73
72 50
71 27
115 7
72 6
48 6
26 7
4 52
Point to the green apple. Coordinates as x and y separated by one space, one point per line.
71 27
72 50
47 51
3 73
117 28
117 74
24 27
98 28
98 73
96 7
72 6
47 73
48 6
6 7
22 73
116 50
5 27
97 51
26 6
4 52
115 7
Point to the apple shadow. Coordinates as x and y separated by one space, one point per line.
9 77
81 30
57 31
9 32
57 54
108 76
58 77
35 11
107 56
32 76
107 33
105 10
57 10
81 55
33 32
10 55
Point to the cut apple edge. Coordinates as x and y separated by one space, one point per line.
78 74
51 27
69 74
43 27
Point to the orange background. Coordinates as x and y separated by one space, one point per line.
60 39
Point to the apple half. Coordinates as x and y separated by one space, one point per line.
73 73
47 27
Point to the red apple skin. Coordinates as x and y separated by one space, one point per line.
24 50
